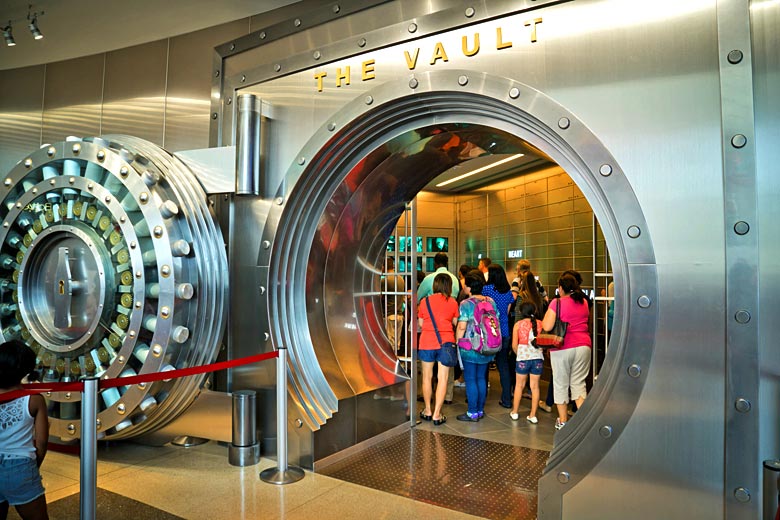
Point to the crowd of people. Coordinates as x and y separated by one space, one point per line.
446 308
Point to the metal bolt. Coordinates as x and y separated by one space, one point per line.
634 231
158 231
277 67
214 115
262 35
51 151
336 8
644 301
123 171
108 199
216 73
741 228
266 336
298 423
463 81
564 477
470 12
634 371
7 182
605 170
76 148
742 494
738 141
101 155
266 244
514 92
297 22
362 42
742 316
165 270
279 201
564 123
143 197
331 126
229 101
317 55
232 46
27 163
243 78
165 312
369 100
735 56
262 289
301 160
413 83
412 27
71 428
742 405
605 431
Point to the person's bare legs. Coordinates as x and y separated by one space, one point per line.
427 388
563 412
534 383
441 391
579 402
34 510
3 510
519 387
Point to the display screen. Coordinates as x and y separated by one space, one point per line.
405 244
391 244
405 261
429 265
437 244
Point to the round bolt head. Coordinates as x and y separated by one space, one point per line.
605 170
564 123
336 8
564 477
413 83
331 126
463 81
369 100
277 67
51 151
742 494
412 27
742 316
735 56
362 42
605 431
263 35
644 301
27 163
741 228
634 231
298 423
301 160
266 244
742 405
469 12
634 371
738 141
514 92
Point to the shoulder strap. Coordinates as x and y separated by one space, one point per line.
433 320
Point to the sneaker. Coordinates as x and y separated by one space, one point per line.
480 414
468 417
514 416
532 420
559 424
544 407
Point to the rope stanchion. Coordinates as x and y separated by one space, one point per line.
88 476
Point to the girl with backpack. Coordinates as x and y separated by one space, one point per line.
24 433
498 288
475 363
530 360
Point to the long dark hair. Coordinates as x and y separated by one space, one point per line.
529 292
570 286
528 310
442 283
16 361
497 277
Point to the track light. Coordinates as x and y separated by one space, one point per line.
8 35
33 26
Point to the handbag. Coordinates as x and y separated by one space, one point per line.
553 338
449 353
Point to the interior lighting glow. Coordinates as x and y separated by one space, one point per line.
479 170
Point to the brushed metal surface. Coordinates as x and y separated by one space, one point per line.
21 110
72 98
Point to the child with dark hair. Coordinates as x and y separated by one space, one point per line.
24 433
530 360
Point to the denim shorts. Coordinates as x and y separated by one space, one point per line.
20 480
445 355
530 366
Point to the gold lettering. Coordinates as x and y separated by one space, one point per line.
411 62
318 76
500 44
532 24
465 45
439 54
340 76
368 70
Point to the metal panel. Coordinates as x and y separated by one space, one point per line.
134 94
188 94
73 98
21 107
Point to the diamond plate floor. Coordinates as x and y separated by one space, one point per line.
478 477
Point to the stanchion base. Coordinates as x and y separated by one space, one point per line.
188 441
244 455
276 476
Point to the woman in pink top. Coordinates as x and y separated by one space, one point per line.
571 362
441 308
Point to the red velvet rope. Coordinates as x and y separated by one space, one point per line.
78 386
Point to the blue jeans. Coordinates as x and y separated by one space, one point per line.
476 385
505 371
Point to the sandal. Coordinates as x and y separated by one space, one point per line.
440 421
425 417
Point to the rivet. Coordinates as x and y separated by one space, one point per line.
742 316
331 126
165 312
76 148
131 334
369 100
634 370
301 160
7 182
634 231
137 305
120 409
139 274
71 428
741 228
279 201
470 12
6 224
157 350
101 155
605 170
297 22
98 424
165 271
266 336
214 115
362 42
232 46
122 219
67 395
108 199
216 73
51 151
266 244
262 290
412 27
133 244
229 101
72 180
277 67
263 35
738 141
735 56
605 431
90 186
27 163
298 423
413 83
742 405
317 55
564 123
463 81
143 197
35 190
120 359
243 78
158 231
53 182
18 205
644 301
564 477
514 92
336 8
742 494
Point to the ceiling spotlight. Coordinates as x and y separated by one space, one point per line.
33 26
8 35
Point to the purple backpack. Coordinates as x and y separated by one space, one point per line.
487 330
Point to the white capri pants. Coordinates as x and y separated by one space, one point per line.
570 367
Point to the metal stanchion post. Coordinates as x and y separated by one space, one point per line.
282 473
771 489
88 478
